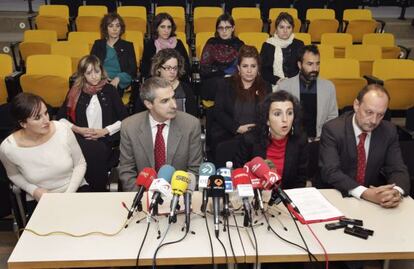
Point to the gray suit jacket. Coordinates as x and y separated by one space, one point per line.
327 107
137 149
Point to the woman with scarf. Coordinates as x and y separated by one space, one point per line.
94 111
280 53
163 37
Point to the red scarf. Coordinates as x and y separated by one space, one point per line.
74 93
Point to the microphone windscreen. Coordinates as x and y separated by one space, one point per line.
166 171
207 169
145 177
270 163
192 182
179 182
259 167
216 183
240 176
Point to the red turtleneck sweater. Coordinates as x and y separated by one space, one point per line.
276 153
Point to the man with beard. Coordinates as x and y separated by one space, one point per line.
317 96
161 135
360 154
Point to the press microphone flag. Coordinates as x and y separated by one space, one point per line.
179 183
143 181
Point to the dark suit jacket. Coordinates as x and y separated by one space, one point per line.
338 156
296 157
290 60
124 50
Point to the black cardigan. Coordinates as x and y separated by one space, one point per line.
149 52
111 104
296 157
124 50
290 60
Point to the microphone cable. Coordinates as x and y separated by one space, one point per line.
325 253
230 241
154 258
211 241
256 246
142 243
238 232
300 233
225 251
269 227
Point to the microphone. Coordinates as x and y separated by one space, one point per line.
161 185
217 190
268 176
241 181
187 199
179 183
228 184
143 181
206 170
278 193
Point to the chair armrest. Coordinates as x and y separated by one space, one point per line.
373 80
406 52
13 47
306 25
381 30
13 85
345 24
31 20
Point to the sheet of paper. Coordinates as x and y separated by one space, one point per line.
313 206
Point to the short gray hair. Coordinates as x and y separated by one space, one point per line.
147 90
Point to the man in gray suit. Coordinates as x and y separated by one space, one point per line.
140 145
317 96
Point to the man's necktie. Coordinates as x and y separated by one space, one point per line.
362 162
159 148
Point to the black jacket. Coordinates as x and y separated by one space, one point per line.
149 52
290 60
296 157
124 50
111 104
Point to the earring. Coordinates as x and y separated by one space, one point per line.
292 131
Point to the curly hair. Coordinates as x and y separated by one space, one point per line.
158 19
107 20
163 56
262 128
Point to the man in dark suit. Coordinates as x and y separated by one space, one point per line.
161 135
360 154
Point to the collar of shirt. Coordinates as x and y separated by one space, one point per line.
153 123
358 131
307 88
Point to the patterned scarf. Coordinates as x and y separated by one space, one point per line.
169 43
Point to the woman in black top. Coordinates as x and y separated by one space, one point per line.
116 55
94 110
237 97
280 53
163 37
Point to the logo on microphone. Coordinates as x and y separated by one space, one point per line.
218 182
207 169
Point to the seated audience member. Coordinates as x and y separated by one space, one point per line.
317 96
117 55
219 56
280 53
278 136
169 64
237 98
161 135
163 37
360 154
41 155
94 110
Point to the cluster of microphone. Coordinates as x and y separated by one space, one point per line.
256 175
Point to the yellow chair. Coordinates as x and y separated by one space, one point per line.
137 38
36 42
201 39
254 39
366 55
247 19
48 77
398 77
320 21
344 74
387 43
72 49
274 13
54 17
339 41
84 37
205 18
326 51
177 13
89 18
183 37
6 68
305 37
359 22
135 18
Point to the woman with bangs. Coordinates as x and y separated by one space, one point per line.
94 111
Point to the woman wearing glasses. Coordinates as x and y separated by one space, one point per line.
219 56
163 37
169 64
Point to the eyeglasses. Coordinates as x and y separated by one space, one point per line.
224 28
170 68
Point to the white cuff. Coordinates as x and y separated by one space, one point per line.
357 192
114 127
